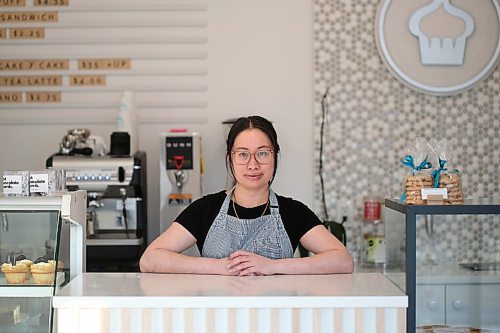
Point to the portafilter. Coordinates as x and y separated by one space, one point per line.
75 142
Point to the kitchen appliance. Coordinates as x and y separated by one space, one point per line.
181 169
481 266
80 141
116 207
120 144
75 141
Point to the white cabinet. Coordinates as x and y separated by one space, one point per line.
473 305
430 304
462 304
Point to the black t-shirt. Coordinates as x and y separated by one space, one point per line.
198 217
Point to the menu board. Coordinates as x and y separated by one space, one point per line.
85 53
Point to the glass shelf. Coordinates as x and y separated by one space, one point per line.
31 289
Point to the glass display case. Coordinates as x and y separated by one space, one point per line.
41 250
447 260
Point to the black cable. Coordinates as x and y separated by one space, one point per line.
123 194
124 213
324 107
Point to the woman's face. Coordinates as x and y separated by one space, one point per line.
252 175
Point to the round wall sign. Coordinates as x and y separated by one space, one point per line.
439 47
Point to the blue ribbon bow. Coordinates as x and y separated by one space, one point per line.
436 174
409 162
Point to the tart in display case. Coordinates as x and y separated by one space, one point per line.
41 250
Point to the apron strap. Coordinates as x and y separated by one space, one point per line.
273 201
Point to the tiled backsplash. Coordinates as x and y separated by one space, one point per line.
372 116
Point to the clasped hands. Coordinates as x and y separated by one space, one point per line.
244 263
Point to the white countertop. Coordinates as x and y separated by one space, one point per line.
138 290
454 274
447 274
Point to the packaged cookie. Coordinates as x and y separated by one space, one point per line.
418 175
446 177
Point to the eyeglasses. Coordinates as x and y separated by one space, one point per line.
242 157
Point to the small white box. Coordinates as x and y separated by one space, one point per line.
434 191
16 183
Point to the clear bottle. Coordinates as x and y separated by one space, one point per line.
373 233
126 120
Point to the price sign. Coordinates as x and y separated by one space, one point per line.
91 64
50 2
43 97
27 33
87 80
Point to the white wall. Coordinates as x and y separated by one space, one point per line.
259 62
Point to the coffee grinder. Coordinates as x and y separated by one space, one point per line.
181 169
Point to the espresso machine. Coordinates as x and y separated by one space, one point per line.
181 169
116 207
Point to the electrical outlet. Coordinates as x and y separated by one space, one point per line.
345 207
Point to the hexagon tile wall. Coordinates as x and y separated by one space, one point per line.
372 116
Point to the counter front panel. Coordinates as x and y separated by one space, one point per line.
209 303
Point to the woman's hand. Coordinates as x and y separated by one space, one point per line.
244 263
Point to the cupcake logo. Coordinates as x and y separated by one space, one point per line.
446 50
439 47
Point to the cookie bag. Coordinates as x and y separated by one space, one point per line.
446 177
417 175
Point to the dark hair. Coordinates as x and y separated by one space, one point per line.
244 123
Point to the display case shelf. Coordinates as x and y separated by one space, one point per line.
440 290
30 289
470 206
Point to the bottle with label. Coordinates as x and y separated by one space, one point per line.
373 234
126 120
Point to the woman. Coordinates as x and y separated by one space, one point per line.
248 230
